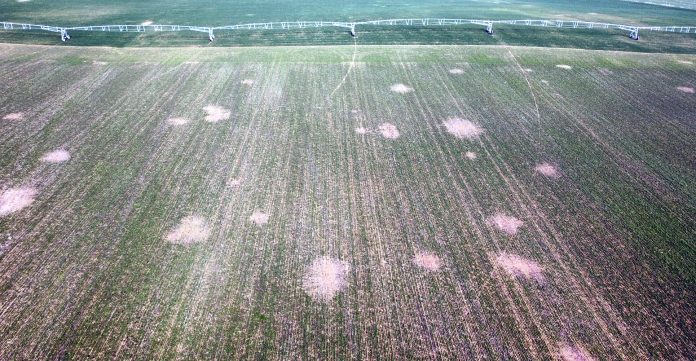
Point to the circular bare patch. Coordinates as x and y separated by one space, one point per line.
191 229
361 130
570 353
324 278
470 155
56 156
428 261
462 128
13 116
216 113
686 89
505 223
563 66
519 267
401 88
178 121
456 71
389 131
247 82
15 199
548 170
259 218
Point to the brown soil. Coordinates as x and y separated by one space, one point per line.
401 88
15 199
216 113
548 170
389 131
505 223
428 261
259 218
324 278
462 128
13 116
56 156
519 267
191 229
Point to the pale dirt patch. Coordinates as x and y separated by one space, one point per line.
15 199
605 72
570 353
528 70
95 62
146 22
178 121
216 113
456 71
324 278
505 223
248 82
563 66
389 131
56 156
545 82
191 229
519 267
14 116
470 155
686 89
427 260
362 130
355 111
258 217
401 88
462 128
686 62
234 182
548 170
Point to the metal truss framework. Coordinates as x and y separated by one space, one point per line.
633 30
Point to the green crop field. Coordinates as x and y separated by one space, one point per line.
423 193
369 202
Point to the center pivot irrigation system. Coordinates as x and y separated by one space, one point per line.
351 26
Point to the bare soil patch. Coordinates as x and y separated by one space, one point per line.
56 156
519 267
234 182
505 223
362 130
324 278
191 229
456 71
16 199
389 131
462 128
564 66
178 121
146 22
248 82
686 89
401 88
548 170
13 116
686 62
428 261
570 353
216 113
258 217
470 155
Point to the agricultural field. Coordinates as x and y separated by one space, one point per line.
346 202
